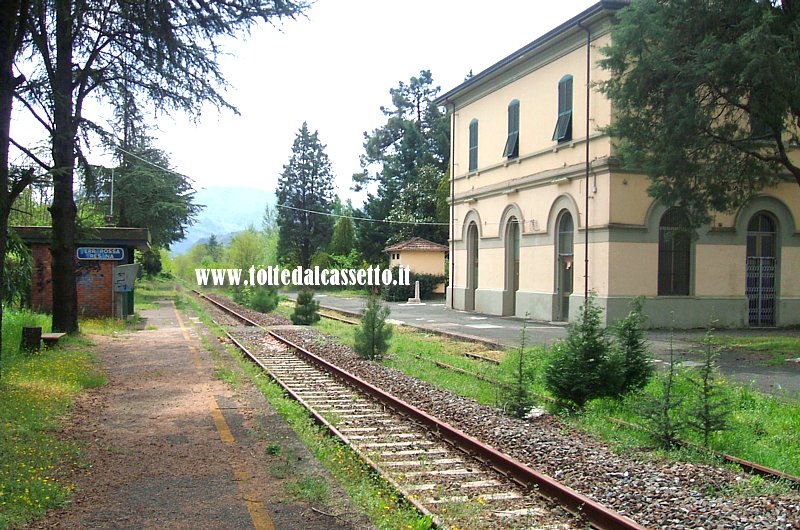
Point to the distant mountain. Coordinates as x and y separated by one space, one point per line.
227 210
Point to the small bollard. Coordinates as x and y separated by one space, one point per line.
416 299
31 339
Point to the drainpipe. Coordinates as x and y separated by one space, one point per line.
586 186
452 209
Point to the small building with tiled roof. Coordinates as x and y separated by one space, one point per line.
99 251
421 256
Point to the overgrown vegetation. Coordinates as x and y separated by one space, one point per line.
34 393
371 338
709 410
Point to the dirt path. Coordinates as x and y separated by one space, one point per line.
168 445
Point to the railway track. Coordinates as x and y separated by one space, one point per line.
753 468
446 474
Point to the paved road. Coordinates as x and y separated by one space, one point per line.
500 332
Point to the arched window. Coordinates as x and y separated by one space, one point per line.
564 263
512 142
473 145
674 254
563 130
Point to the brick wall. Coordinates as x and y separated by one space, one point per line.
94 279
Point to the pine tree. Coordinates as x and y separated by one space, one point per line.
708 411
661 411
305 186
306 310
517 397
579 369
633 356
416 135
344 237
372 338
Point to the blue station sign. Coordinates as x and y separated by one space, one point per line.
101 253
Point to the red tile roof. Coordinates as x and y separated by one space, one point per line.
418 244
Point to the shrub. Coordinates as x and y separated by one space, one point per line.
306 311
372 337
581 367
264 299
242 295
401 293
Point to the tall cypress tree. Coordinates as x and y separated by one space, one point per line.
304 187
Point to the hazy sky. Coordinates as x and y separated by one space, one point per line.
334 68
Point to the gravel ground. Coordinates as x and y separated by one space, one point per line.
655 493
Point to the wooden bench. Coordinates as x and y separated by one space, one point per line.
50 339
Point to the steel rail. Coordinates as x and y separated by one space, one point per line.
748 466
594 513
582 506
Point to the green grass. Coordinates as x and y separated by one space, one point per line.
779 348
368 491
149 291
35 391
763 429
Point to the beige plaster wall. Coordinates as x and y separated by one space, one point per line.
422 262
719 270
635 269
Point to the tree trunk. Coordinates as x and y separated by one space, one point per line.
8 49
63 209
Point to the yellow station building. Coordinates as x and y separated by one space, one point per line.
521 145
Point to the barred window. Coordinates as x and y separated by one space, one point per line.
674 254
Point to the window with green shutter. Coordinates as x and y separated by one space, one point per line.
473 145
563 131
512 142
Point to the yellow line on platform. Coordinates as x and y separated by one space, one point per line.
258 513
225 433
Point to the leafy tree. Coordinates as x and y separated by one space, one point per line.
17 272
517 396
306 310
264 299
372 337
164 51
304 187
705 97
416 210
151 261
245 249
416 135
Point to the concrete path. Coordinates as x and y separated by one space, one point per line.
169 445
504 332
